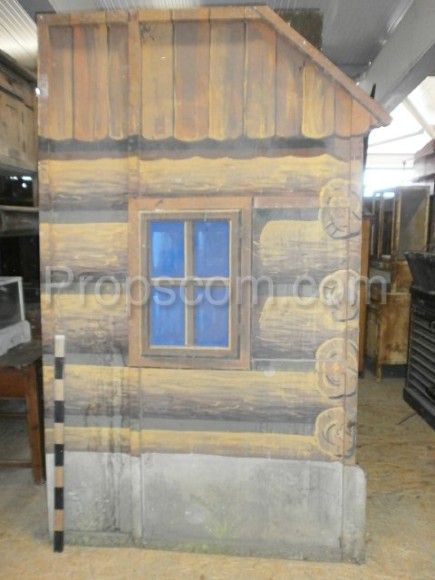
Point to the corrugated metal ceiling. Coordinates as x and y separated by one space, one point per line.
354 30
17 33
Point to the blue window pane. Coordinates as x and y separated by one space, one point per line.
211 316
166 317
167 248
211 243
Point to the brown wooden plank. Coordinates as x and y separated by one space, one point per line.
114 440
118 70
58 83
318 117
260 80
134 85
15 463
227 61
288 90
343 113
85 249
256 176
227 13
92 324
268 445
17 86
54 19
95 391
327 68
30 135
191 14
361 120
117 16
77 184
91 81
191 71
194 394
307 199
285 249
157 54
251 13
86 18
293 328
233 444
153 15
12 127
231 396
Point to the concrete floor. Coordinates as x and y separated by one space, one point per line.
396 449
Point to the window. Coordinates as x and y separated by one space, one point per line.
188 259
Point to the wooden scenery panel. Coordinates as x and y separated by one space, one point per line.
206 104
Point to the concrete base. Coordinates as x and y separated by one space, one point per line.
242 506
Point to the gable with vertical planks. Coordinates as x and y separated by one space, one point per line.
210 73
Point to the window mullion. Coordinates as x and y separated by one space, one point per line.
189 288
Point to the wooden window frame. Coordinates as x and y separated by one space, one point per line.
238 212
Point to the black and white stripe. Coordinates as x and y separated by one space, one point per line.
59 447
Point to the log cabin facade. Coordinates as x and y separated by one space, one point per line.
218 149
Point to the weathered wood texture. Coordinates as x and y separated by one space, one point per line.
271 445
208 103
388 330
201 78
288 247
201 395
293 328
18 134
255 176
88 77
85 249
94 323
77 184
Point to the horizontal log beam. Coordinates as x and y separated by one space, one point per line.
254 396
123 440
98 249
256 176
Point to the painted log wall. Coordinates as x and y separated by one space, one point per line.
190 137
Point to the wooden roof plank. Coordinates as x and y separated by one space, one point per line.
60 83
191 69
227 61
154 15
118 79
343 113
379 114
260 80
318 104
289 66
191 14
227 13
362 119
157 51
90 58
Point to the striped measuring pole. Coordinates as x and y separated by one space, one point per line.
59 441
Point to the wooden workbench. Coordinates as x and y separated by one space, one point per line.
20 378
